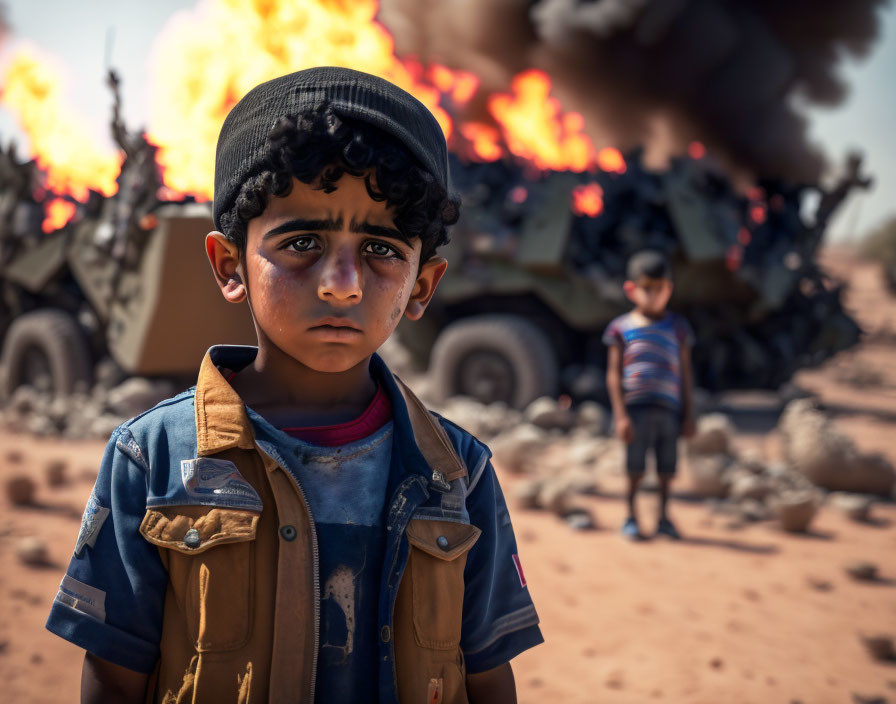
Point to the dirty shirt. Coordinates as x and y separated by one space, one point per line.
343 472
651 368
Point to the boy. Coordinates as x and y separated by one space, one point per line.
649 381
297 527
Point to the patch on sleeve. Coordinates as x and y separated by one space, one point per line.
218 483
82 597
519 569
95 515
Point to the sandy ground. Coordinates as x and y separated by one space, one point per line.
730 614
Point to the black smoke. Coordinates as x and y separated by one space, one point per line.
733 74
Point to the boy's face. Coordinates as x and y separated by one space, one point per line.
327 275
650 296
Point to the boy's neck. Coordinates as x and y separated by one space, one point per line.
287 392
646 318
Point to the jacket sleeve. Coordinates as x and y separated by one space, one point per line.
111 597
499 618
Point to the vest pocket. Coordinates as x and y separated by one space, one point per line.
437 559
209 554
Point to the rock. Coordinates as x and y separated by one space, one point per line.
103 425
526 492
554 497
816 448
137 394
819 584
32 551
708 474
41 425
862 571
746 485
108 374
795 510
868 699
580 519
24 400
517 448
856 507
880 646
20 490
753 510
713 436
546 413
591 416
14 457
55 472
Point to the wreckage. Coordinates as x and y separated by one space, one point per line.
533 280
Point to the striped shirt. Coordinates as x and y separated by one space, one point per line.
651 369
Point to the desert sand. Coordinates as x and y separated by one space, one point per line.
739 613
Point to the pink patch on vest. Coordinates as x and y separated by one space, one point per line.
519 569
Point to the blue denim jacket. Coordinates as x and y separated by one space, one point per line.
112 598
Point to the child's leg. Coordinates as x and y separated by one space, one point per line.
667 431
636 456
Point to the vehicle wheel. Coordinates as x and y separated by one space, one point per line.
494 358
45 349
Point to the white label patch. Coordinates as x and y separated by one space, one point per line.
219 483
83 597
95 515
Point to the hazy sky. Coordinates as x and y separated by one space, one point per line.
76 35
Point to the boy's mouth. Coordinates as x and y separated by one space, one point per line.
336 323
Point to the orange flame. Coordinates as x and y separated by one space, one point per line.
207 59
58 213
588 200
460 85
535 129
60 144
484 141
609 159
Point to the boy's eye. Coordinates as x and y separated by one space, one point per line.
380 250
301 244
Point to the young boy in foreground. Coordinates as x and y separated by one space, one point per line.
649 380
297 527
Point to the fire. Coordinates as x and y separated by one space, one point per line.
485 141
60 144
58 212
534 127
696 150
460 85
207 59
609 159
588 200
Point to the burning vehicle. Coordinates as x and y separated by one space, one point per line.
106 261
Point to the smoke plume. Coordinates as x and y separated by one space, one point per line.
661 73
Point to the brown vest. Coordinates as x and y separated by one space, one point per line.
240 609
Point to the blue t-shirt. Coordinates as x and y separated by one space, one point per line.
651 368
346 489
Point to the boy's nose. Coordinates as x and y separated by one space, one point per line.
340 279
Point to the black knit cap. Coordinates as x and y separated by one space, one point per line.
351 94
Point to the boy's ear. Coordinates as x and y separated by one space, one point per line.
629 288
428 278
224 256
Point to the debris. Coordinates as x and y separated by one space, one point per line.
862 571
795 510
708 474
580 519
20 490
880 646
819 584
516 449
526 492
137 394
56 472
546 413
713 436
856 507
32 551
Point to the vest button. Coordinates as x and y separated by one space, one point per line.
386 634
442 542
192 539
288 533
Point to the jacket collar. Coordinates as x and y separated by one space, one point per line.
222 422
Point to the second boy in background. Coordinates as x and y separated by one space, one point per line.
649 380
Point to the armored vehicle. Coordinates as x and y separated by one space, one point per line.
70 300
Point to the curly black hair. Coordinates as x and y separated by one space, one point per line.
319 147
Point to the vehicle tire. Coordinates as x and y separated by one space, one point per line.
493 358
45 343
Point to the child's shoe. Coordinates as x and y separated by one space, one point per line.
630 529
667 527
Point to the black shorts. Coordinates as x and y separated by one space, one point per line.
655 427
